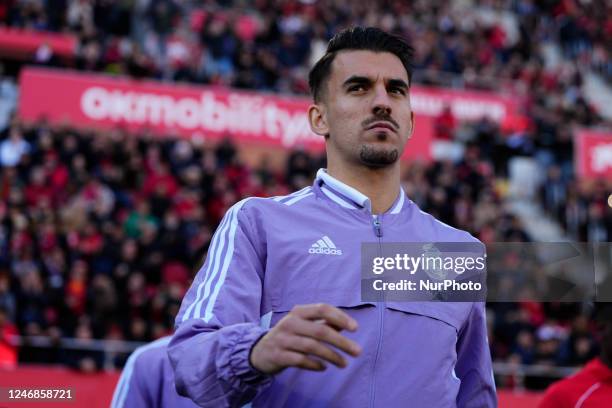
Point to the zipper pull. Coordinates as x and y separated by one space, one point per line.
377 227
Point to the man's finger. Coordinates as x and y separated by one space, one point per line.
308 345
294 359
323 332
322 321
331 314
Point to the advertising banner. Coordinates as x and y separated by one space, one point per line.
100 101
593 153
19 43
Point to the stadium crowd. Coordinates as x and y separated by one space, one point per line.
99 236
270 44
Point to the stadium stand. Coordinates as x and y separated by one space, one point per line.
100 234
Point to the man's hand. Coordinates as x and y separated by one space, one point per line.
306 331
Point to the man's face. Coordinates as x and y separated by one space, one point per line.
365 108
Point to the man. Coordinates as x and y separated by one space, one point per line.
274 317
147 380
591 386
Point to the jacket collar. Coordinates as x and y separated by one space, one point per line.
349 197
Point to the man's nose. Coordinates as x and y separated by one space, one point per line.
381 105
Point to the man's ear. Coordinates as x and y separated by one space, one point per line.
317 120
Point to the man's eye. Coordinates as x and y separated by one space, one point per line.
399 91
356 88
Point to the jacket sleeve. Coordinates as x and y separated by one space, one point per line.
474 367
218 322
130 391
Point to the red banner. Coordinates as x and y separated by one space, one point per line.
96 390
593 153
24 43
210 112
86 390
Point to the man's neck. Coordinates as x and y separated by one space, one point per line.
381 186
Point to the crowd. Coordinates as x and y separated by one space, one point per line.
270 44
489 39
100 236
582 208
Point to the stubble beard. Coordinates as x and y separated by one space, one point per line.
376 157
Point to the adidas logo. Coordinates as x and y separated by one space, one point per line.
324 246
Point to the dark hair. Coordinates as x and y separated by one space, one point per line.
358 38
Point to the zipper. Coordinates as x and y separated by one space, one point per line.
377 226
376 223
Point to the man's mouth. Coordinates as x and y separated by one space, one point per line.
382 125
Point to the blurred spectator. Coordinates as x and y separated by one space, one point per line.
7 299
525 347
13 148
590 386
444 146
445 125
84 359
8 351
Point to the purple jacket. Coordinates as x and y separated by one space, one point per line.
147 380
270 254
